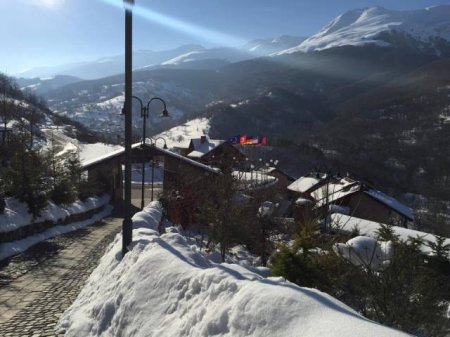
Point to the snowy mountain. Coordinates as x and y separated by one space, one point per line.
192 56
108 66
264 47
228 55
374 25
40 86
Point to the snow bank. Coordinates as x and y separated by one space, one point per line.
163 287
365 251
370 228
16 247
16 213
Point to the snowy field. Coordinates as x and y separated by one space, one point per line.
180 136
165 287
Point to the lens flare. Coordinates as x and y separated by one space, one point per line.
50 4
187 28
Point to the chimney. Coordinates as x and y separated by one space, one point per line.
203 139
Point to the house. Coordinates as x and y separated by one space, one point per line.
324 193
212 151
284 179
184 179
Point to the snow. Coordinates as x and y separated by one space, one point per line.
363 26
93 151
187 57
369 228
365 251
68 148
181 135
200 149
334 191
16 213
303 202
164 287
304 184
253 179
16 247
115 103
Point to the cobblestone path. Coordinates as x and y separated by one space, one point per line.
38 286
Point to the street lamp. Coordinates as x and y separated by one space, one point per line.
153 161
144 114
127 225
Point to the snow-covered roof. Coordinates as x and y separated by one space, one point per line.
195 154
392 203
202 148
335 190
119 152
276 169
303 201
305 183
86 163
369 228
93 151
187 160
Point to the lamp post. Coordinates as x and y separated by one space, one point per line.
145 109
144 115
153 161
127 230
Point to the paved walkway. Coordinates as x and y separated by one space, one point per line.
38 286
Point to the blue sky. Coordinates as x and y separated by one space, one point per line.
49 32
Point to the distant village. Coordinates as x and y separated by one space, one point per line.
316 194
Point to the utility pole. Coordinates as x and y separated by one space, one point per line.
127 225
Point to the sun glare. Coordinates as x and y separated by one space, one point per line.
50 4
182 26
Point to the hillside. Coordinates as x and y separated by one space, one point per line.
18 106
402 127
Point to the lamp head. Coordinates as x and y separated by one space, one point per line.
165 113
165 146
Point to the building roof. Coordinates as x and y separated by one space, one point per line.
334 191
302 201
278 170
85 164
337 188
306 183
113 154
391 202
201 149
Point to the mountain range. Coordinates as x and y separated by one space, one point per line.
373 25
190 54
